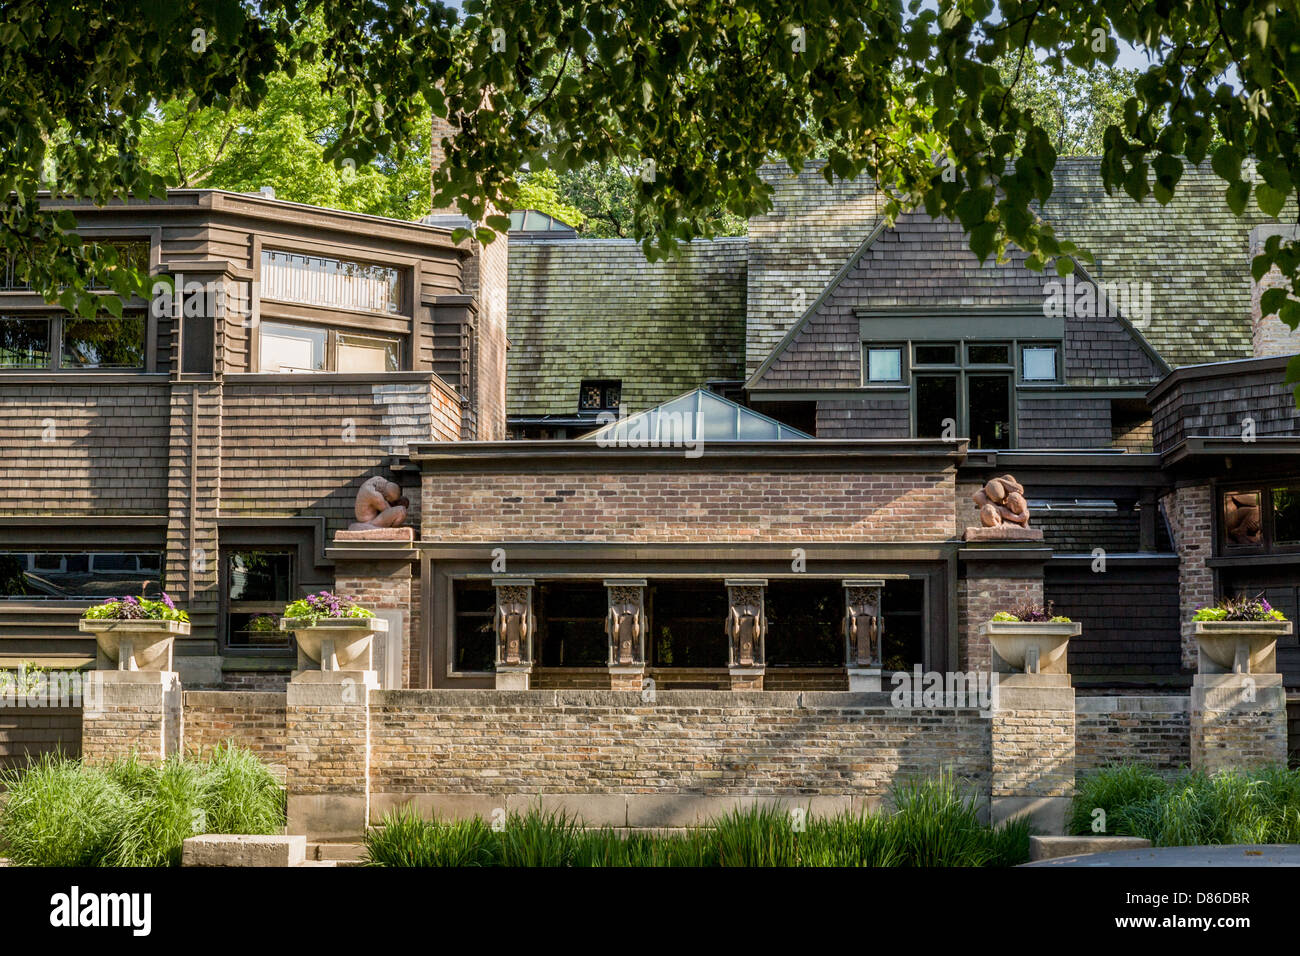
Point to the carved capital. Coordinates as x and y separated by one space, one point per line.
863 623
747 623
513 623
625 623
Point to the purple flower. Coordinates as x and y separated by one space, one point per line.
129 599
168 601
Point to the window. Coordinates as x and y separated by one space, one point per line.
805 624
600 396
688 624
287 347
902 635
258 586
1038 363
1260 519
1243 520
935 355
982 354
24 343
936 405
132 253
885 365
101 343
571 624
70 575
331 283
473 647
1286 516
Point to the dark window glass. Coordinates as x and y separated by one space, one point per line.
902 613
804 623
1286 515
688 624
130 255
990 411
988 354
103 343
473 643
81 574
936 355
594 396
260 576
258 586
571 624
1242 523
936 404
24 343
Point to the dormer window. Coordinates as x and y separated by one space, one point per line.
603 395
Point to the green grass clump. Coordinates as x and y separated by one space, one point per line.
934 825
61 812
1193 808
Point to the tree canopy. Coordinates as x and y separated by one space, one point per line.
692 95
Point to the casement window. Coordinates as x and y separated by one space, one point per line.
78 575
473 645
293 347
571 623
66 343
258 584
1259 518
331 283
965 388
600 395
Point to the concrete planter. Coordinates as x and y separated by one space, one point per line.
144 645
1239 647
1029 647
335 643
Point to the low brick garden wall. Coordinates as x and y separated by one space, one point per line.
1151 730
689 755
252 719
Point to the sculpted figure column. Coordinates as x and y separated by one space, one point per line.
513 627
625 626
747 632
863 633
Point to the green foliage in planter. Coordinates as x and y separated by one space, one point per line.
131 608
1030 612
1240 608
935 825
61 812
325 605
1193 808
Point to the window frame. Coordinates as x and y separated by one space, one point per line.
1268 544
402 273
55 322
230 607
605 385
904 362
332 334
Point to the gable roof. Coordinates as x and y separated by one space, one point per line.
924 264
598 309
1194 253
697 415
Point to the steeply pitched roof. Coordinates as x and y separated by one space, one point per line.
699 414
926 264
1193 252
597 309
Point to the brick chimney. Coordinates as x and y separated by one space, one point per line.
484 275
1268 335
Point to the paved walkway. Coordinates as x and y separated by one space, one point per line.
1193 856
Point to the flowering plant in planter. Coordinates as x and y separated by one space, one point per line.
325 604
130 608
1030 612
1240 608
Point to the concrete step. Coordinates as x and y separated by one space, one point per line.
337 852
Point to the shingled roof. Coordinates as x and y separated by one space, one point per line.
597 309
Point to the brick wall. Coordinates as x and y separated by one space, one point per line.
685 505
1150 730
1248 735
687 742
1032 753
255 721
1268 335
978 599
1189 513
28 732
380 586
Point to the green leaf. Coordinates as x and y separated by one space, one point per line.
1270 200
1236 196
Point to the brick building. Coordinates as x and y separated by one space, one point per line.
806 412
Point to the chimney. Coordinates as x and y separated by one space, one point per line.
443 131
1268 335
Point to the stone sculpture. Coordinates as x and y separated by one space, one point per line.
623 625
746 624
1002 501
862 626
379 505
513 624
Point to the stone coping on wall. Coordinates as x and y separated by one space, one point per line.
1156 704
712 699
